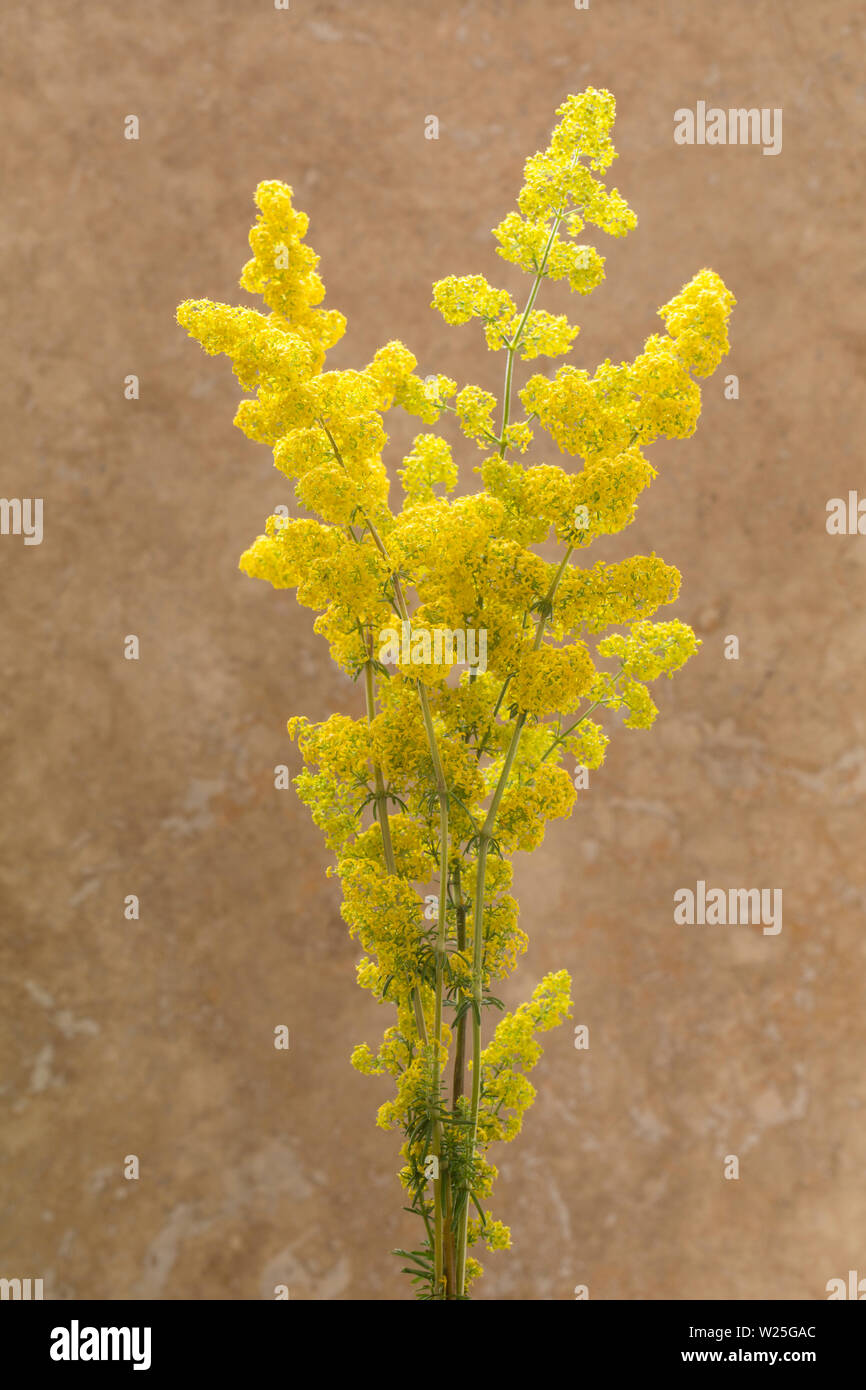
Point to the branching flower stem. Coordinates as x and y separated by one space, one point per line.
561 737
327 431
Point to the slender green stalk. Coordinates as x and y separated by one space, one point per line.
460 1039
483 744
457 1090
450 1252
436 1047
515 341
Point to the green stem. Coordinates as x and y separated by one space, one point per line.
515 341
438 1185
483 744
450 1253
460 1040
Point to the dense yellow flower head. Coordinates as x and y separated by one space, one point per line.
288 549
553 678
283 269
697 321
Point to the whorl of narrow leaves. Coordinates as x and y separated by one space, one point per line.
445 775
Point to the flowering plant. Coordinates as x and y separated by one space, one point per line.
448 772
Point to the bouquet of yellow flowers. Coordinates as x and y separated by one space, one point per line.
481 661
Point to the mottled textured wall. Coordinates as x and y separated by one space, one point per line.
155 777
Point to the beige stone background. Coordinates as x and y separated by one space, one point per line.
155 777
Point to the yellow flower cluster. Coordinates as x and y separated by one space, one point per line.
647 652
651 650
288 549
449 769
599 500
525 808
474 408
460 298
620 593
697 320
429 463
494 1234
654 396
552 679
532 247
558 188
587 744
513 1051
546 335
